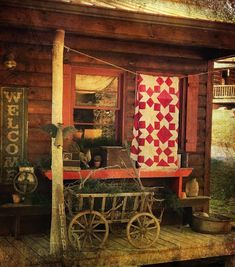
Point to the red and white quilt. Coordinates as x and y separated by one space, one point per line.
156 120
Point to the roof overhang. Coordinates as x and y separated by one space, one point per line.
120 25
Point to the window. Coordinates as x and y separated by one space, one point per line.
225 77
96 102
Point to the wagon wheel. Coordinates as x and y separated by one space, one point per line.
143 230
88 229
25 182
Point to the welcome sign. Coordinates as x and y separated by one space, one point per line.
13 131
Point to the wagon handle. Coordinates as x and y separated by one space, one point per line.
162 208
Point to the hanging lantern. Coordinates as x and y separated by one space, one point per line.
9 61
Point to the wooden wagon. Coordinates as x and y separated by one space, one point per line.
89 227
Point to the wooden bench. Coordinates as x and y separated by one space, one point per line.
128 173
17 211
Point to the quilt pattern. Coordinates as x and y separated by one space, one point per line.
156 120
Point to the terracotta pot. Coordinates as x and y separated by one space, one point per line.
16 198
97 164
97 161
78 135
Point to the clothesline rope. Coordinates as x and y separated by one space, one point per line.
98 59
133 72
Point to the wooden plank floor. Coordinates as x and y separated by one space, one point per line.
174 244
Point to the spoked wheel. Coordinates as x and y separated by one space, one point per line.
143 230
87 230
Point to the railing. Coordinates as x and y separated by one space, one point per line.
224 91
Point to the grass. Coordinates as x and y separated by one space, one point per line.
222 179
223 128
223 207
222 169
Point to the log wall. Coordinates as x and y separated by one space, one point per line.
33 51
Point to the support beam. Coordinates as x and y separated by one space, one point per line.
208 129
58 237
230 262
39 38
180 32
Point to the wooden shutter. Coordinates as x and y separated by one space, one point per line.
192 113
183 86
67 97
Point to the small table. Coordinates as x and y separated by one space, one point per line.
19 210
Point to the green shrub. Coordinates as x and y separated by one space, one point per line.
222 179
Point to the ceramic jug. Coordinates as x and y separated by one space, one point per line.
192 188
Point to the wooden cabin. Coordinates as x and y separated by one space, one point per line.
224 89
116 44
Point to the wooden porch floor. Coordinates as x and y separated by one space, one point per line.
174 244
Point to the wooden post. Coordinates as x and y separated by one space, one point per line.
58 236
209 98
230 261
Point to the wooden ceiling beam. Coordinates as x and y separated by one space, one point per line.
119 28
136 63
30 38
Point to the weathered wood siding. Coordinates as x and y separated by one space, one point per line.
33 71
33 51
197 159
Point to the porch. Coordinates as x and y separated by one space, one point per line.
175 243
223 94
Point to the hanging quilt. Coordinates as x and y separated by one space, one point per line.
156 120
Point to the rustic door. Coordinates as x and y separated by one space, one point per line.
13 132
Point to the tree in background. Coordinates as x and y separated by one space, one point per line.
223 10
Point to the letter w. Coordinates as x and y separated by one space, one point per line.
13 96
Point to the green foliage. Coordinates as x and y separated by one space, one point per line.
223 207
94 186
214 9
222 179
222 136
24 163
171 200
97 186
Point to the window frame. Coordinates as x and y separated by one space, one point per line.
70 96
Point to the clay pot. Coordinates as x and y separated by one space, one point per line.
192 188
97 161
78 134
16 198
